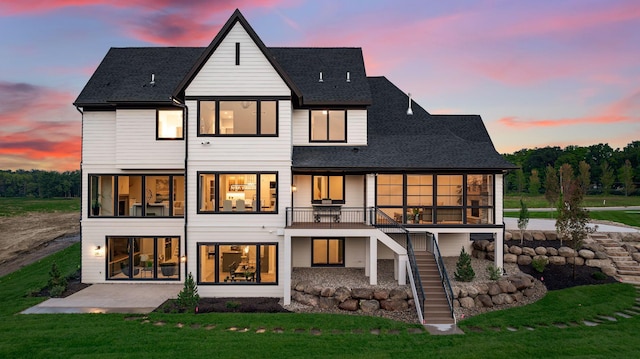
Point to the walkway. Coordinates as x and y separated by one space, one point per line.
110 298
538 224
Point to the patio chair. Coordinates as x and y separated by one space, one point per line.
240 206
227 205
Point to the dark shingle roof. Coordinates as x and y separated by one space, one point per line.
124 75
303 65
397 141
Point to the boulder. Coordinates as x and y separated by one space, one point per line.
579 261
506 286
524 260
630 248
342 294
313 289
491 256
463 292
467 302
490 247
409 292
552 251
500 298
635 256
507 236
480 254
586 254
481 244
517 296
529 292
538 236
398 293
472 291
515 235
541 251
381 294
361 293
306 299
456 291
515 250
517 282
328 292
369 306
601 255
566 252
395 304
510 258
301 286
527 236
349 304
483 288
528 251
609 270
494 289
558 260
456 303
327 302
485 300
551 235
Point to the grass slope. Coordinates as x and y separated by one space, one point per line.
513 201
631 218
19 206
110 335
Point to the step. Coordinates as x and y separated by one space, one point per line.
629 279
612 244
629 272
628 268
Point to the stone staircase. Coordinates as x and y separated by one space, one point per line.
436 307
628 270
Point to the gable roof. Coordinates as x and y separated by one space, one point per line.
124 75
304 64
199 63
397 141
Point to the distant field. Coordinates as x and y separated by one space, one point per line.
511 201
19 206
631 218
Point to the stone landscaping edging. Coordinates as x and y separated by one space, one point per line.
367 300
506 290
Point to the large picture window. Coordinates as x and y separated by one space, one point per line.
327 252
237 263
328 188
143 258
169 124
136 195
237 192
328 126
238 117
436 199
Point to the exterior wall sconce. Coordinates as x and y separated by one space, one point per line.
98 251
183 259
293 188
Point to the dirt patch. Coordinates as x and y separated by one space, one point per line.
228 305
28 238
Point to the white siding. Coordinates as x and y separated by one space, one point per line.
451 243
356 129
99 137
354 191
137 146
220 76
354 251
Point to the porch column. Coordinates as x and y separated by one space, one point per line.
367 257
402 269
499 249
370 190
286 269
373 260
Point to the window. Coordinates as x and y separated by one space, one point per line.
436 199
136 195
169 125
237 263
327 252
238 118
328 126
328 187
237 192
143 258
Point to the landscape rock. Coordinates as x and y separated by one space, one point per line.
342 294
524 260
394 304
327 302
472 291
551 236
586 254
552 251
528 251
368 306
538 236
361 293
515 250
635 256
381 294
566 252
609 270
398 294
558 260
579 261
485 300
482 288
527 236
328 292
601 255
494 289
510 258
466 302
508 236
349 304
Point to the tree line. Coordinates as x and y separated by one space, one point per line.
599 168
39 183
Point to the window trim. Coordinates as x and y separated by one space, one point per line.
216 120
311 140
156 250
216 209
342 242
216 272
319 201
158 138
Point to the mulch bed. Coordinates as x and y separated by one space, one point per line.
74 284
557 277
228 305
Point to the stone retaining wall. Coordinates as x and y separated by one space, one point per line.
366 299
506 290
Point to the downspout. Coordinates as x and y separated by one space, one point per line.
185 113
81 179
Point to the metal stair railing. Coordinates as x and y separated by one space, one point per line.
446 284
387 225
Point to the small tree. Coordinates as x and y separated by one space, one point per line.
464 272
520 180
57 283
534 182
188 297
552 188
607 178
566 177
584 176
573 220
625 174
523 219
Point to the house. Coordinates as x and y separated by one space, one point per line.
237 162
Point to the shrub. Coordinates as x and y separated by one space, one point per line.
56 291
464 271
56 279
539 264
188 297
232 304
599 275
494 272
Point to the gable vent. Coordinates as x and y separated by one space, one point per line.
409 110
153 80
348 76
320 79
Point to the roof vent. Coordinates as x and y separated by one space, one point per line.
348 77
409 110
153 80
320 79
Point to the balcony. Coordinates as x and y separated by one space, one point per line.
329 216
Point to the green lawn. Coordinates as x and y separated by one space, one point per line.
18 206
513 201
631 218
110 335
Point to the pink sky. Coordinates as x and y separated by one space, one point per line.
539 73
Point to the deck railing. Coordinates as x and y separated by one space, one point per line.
331 216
